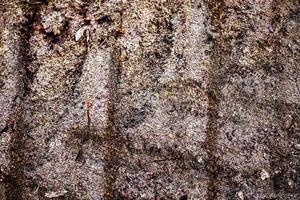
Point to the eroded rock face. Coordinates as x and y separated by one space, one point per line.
151 99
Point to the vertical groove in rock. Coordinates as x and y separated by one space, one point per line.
16 181
279 157
16 177
111 135
112 154
216 13
281 148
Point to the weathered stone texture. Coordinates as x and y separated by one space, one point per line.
154 99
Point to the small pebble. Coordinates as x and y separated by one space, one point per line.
264 175
200 160
55 194
240 195
80 33
297 146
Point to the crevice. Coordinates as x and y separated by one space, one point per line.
4 129
16 182
216 10
280 152
112 154
32 15
111 136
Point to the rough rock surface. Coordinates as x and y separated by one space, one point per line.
149 99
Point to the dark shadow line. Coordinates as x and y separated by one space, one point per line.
216 8
112 132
